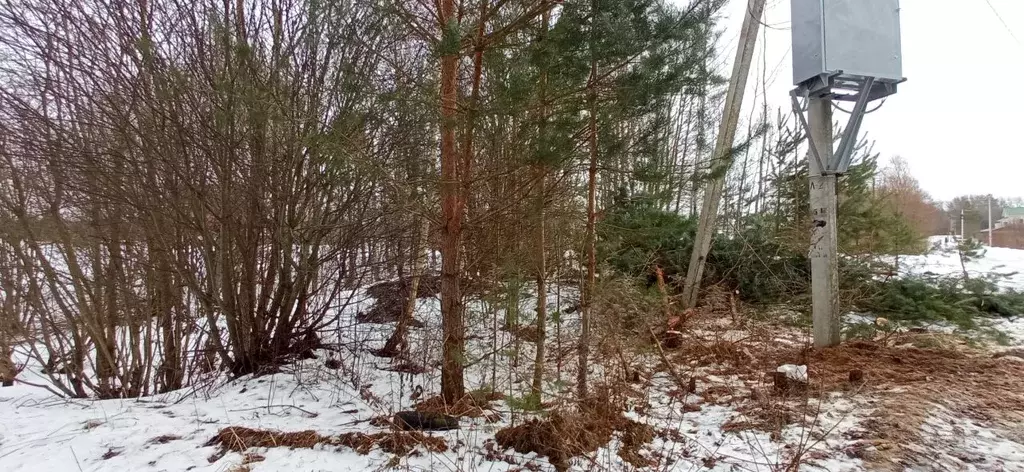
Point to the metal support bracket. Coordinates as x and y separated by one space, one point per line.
841 161
843 156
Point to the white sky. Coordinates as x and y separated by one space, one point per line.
957 119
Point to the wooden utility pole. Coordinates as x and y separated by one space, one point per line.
824 236
722 157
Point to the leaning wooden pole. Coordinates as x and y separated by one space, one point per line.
722 158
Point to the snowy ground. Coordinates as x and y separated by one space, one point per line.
169 432
943 259
39 432
1004 265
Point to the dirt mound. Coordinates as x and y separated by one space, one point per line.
239 439
564 435
391 297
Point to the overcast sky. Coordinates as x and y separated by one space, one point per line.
957 119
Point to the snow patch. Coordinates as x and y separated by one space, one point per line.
794 372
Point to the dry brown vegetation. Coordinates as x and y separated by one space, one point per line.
900 383
239 439
564 435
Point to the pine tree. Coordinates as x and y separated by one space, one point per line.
629 58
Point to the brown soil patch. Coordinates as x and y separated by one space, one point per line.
239 439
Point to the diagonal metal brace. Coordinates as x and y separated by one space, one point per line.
807 129
841 161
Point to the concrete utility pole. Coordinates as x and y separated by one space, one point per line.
961 224
824 234
723 145
842 51
991 224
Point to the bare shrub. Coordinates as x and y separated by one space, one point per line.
181 180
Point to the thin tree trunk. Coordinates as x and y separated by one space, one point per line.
397 345
682 159
542 295
468 155
701 145
542 285
760 162
452 325
591 235
742 191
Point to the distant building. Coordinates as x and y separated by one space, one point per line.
1008 231
1012 216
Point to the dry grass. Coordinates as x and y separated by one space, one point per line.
472 405
909 375
911 382
562 436
239 439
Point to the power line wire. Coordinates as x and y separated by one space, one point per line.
1001 20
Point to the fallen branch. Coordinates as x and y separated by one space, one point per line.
668 365
308 413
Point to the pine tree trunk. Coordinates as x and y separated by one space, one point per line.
452 325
